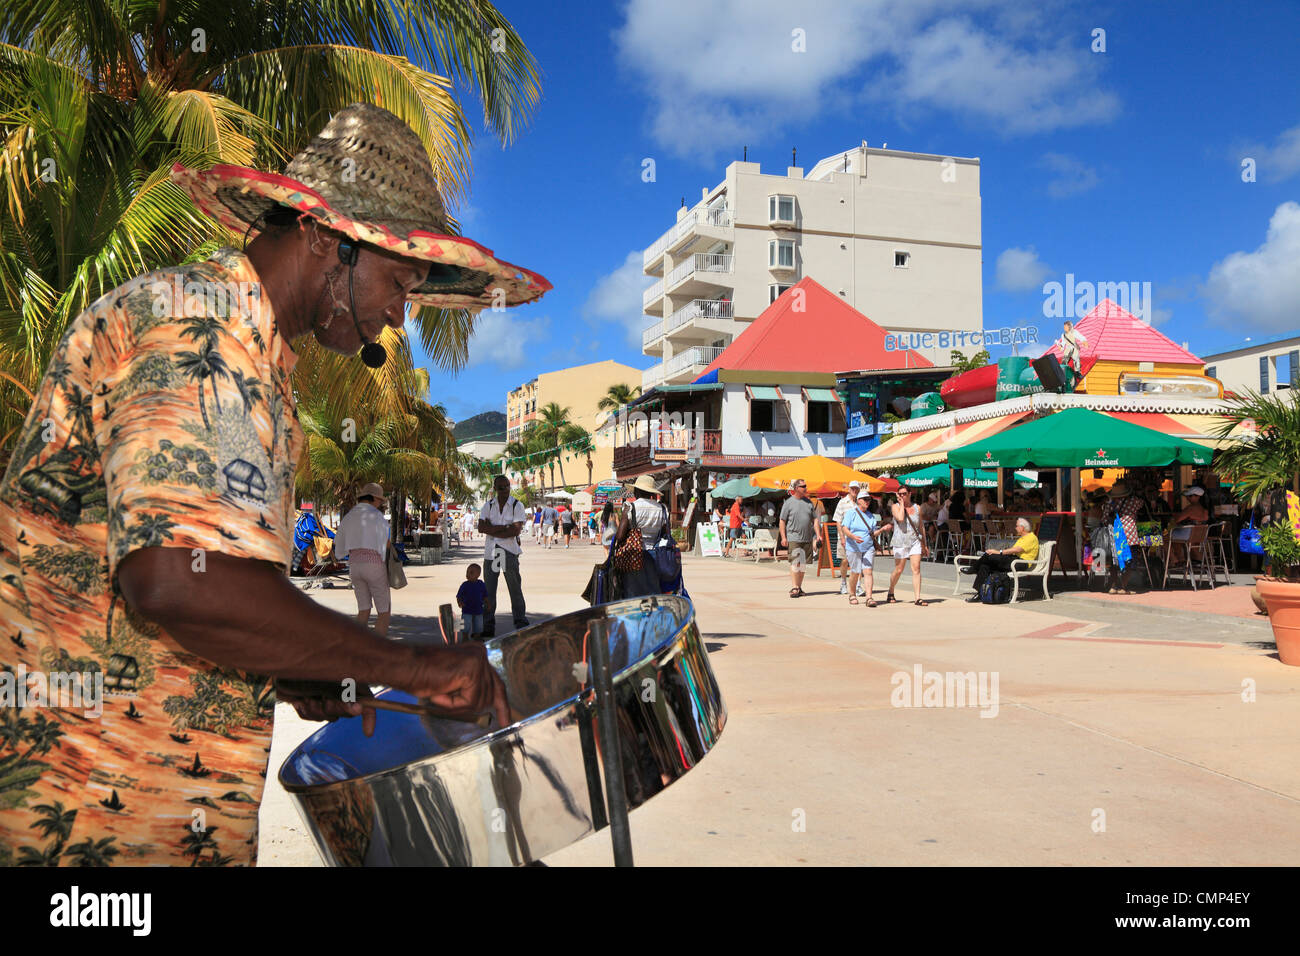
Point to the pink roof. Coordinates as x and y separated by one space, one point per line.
1115 334
825 335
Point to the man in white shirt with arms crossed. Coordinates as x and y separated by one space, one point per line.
502 521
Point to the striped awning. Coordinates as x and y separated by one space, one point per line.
903 452
1202 429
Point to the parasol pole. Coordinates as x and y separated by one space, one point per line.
608 736
1076 501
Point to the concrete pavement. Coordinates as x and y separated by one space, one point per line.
1119 736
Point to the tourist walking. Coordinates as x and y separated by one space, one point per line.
849 502
858 531
502 521
550 525
608 525
568 523
1125 505
735 526
363 538
907 544
645 513
537 524
798 529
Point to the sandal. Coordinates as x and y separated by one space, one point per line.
853 600
795 592
921 602
871 602
891 599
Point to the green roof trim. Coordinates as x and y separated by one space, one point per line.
765 392
707 387
821 395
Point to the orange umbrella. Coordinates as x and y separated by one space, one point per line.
823 476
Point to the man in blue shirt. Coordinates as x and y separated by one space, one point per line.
858 531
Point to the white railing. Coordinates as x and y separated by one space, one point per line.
699 355
714 262
718 217
699 308
654 292
651 333
652 376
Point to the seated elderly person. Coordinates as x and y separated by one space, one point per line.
1195 513
1025 549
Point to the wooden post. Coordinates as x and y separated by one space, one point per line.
1060 490
1076 502
1002 495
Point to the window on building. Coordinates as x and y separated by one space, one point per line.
780 209
825 412
774 291
768 409
780 254
902 259
1209 371
1294 359
1263 374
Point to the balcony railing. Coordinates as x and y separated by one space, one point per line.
711 262
699 355
699 309
718 217
652 376
655 291
667 445
650 334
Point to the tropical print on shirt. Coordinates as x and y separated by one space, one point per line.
165 419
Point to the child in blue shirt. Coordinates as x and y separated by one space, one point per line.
470 598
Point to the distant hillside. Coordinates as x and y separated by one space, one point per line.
489 425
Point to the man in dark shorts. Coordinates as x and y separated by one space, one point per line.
798 533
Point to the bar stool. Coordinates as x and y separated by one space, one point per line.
1219 541
1196 556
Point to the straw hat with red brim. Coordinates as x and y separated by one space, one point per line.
367 176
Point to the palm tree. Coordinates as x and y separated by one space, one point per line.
1271 459
250 389
202 365
55 820
552 424
90 852
98 102
618 397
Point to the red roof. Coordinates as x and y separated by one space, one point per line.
1115 334
825 335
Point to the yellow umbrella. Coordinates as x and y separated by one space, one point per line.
822 475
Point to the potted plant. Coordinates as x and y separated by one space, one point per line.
1260 466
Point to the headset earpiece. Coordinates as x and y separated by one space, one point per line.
348 253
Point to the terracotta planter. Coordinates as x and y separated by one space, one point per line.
1283 600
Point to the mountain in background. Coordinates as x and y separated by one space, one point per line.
489 425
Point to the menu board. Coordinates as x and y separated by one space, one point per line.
1058 526
830 538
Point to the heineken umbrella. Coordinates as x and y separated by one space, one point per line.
1079 438
736 488
971 478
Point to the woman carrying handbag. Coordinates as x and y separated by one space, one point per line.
644 558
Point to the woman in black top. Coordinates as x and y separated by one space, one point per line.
957 509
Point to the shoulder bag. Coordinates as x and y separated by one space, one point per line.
629 555
1249 541
668 559
393 565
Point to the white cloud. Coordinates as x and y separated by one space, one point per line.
1261 288
506 339
722 74
616 297
1277 162
1072 176
1019 270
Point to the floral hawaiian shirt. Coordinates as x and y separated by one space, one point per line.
164 419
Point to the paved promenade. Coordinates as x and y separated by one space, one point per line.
1120 734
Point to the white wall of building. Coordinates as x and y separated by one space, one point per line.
848 227
1239 370
737 439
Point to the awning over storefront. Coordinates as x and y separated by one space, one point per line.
904 452
1202 429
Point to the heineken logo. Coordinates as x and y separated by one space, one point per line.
1101 461
989 461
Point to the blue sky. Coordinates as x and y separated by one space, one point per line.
1123 165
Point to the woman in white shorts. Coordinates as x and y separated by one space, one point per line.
907 545
363 538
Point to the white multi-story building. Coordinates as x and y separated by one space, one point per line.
896 234
1267 367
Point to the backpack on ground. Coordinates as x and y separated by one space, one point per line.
996 588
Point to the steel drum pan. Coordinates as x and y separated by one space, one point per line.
430 792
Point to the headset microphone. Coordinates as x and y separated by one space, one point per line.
372 353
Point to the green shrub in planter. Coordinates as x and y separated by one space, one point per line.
1283 550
